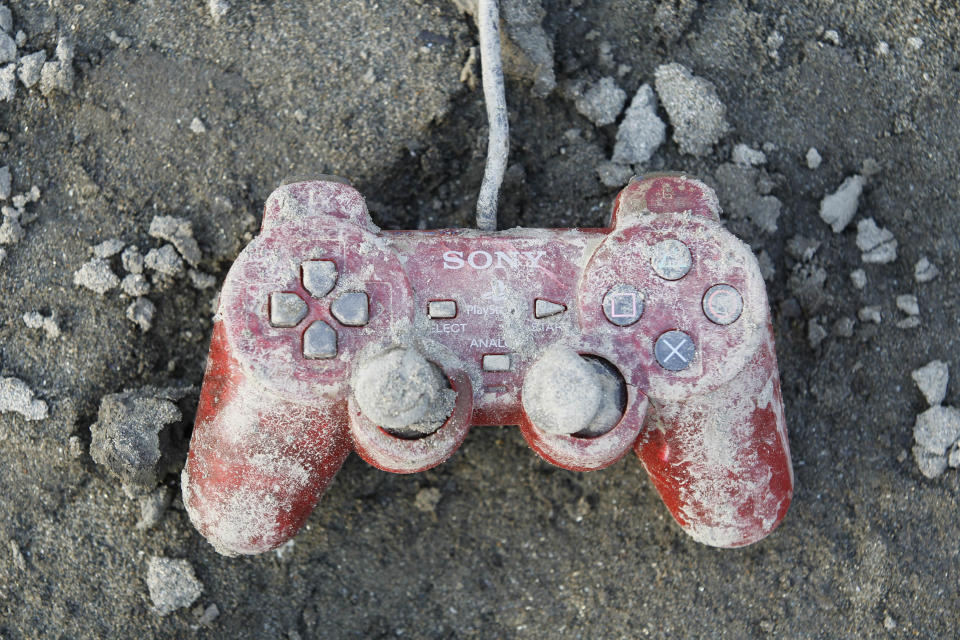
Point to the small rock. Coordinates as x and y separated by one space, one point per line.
122 42
843 328
201 280
178 231
937 428
152 507
135 285
740 187
602 102
641 132
908 304
209 614
96 275
29 68
915 43
870 314
172 584
889 623
427 499
5 182
533 57
197 126
925 271
16 396
815 333
8 48
931 465
10 230
36 320
6 19
8 83
76 447
813 158
911 322
878 245
744 155
801 248
108 248
133 435
695 111
830 36
132 260
20 38
164 261
614 175
140 312
932 381
882 48
806 284
56 76
218 9
838 208
859 278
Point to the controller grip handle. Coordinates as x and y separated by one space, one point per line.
257 464
721 461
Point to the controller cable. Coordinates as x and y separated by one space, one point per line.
498 142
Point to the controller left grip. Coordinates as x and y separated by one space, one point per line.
257 464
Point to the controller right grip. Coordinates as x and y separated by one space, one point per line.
721 461
257 464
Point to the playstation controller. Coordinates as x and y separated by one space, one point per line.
333 336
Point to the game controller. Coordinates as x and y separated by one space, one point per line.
333 336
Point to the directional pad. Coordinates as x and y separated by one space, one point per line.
319 276
286 309
320 341
351 309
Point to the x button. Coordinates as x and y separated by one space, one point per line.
674 350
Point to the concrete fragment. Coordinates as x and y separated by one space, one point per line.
813 158
132 259
5 182
201 280
910 322
6 19
937 428
212 612
16 396
29 68
695 111
534 60
140 312
197 126
614 175
869 167
602 102
739 190
924 270
806 284
164 261
859 278
908 304
135 435
179 232
36 320
57 75
746 156
172 584
801 248
877 245
932 380
8 83
8 48
152 507
931 465
870 314
95 274
838 208
135 285
108 248
641 132
843 327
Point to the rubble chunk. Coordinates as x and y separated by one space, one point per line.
908 304
878 245
172 584
843 328
8 83
29 68
937 428
164 261
8 48
140 312
5 182
813 158
838 208
614 175
152 507
931 465
36 320
925 271
135 285
910 322
870 314
747 156
602 102
108 248
132 259
179 232
95 274
695 111
641 132
201 280
932 380
16 396
218 9
859 278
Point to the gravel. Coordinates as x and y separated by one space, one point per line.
838 208
694 108
641 131
5 181
172 584
878 245
813 158
932 380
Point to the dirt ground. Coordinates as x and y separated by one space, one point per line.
496 543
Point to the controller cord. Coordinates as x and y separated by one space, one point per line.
498 143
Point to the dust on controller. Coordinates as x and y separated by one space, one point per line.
667 307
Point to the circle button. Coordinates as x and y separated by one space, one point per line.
671 259
623 305
722 304
674 350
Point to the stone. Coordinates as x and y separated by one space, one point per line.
5 182
641 132
614 175
140 312
870 314
937 428
924 270
877 245
36 320
179 232
748 157
107 248
859 278
132 259
932 380
17 397
838 208
8 83
172 584
164 261
135 285
95 274
694 108
931 465
908 304
602 102
29 68
152 508
813 158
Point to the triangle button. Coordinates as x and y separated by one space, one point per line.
545 308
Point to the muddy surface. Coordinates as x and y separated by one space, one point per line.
199 109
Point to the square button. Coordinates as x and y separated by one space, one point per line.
442 309
496 362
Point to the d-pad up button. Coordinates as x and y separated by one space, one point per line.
320 341
286 309
319 276
351 309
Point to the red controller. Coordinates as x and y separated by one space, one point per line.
333 336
